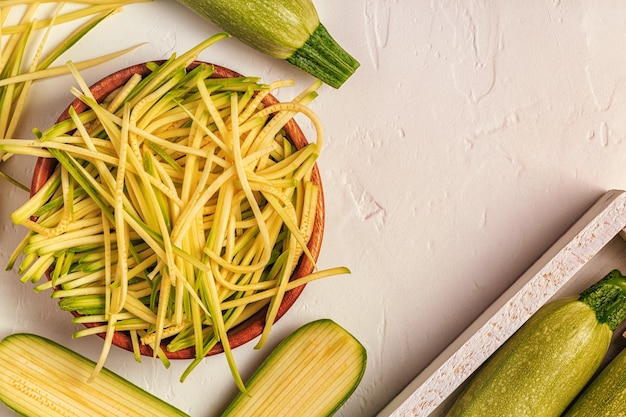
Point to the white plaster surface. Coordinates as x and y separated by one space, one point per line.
471 137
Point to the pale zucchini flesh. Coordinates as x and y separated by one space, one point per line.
311 373
39 377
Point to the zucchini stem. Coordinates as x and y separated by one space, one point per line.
608 299
322 57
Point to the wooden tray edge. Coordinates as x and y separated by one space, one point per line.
605 220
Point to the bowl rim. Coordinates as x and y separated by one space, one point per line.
253 326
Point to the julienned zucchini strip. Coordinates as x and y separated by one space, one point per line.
19 40
39 377
178 210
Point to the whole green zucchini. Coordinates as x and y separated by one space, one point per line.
541 369
284 29
606 395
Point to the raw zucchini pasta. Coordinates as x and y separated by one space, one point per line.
178 208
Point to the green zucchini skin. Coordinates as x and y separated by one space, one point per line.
284 29
539 370
273 27
606 395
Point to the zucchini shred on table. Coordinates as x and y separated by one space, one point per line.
177 210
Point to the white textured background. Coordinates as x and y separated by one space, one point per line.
473 135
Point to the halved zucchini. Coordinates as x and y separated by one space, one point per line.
310 373
39 377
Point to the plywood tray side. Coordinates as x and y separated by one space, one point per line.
595 229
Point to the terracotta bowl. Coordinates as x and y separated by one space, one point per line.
253 326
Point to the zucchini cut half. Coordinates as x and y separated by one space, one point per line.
310 373
39 377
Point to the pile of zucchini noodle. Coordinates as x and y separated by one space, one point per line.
178 208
